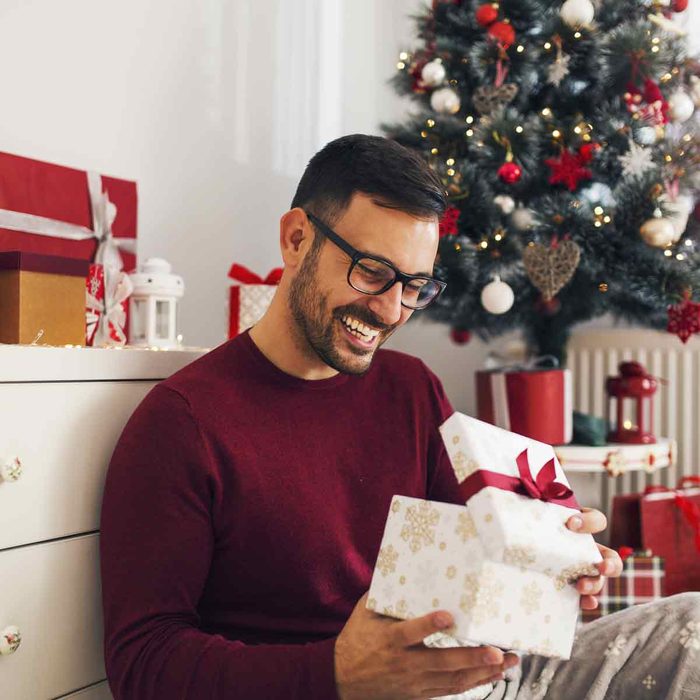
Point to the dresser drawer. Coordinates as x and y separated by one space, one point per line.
64 434
100 691
52 593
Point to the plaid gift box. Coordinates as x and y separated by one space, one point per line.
641 581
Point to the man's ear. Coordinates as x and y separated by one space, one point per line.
296 237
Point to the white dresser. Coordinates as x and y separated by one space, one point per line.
61 413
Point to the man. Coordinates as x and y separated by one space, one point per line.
245 501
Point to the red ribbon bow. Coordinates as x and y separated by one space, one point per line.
689 509
242 274
543 488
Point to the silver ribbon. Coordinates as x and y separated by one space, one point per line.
108 252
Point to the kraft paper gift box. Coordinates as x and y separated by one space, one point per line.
502 564
42 297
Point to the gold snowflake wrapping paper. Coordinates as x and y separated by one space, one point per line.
502 564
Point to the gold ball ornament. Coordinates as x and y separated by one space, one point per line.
658 232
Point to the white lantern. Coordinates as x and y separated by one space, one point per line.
153 310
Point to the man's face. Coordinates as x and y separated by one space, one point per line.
324 305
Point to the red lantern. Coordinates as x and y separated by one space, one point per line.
632 418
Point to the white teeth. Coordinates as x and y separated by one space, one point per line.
360 329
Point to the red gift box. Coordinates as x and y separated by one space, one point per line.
534 403
667 521
55 210
641 581
249 298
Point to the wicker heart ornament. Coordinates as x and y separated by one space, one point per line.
549 269
488 99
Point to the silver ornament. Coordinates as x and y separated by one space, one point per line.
577 13
433 73
505 203
445 101
646 135
658 232
523 218
680 106
497 297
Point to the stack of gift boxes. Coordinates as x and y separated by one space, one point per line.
503 564
67 237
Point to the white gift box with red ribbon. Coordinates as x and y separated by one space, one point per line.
503 565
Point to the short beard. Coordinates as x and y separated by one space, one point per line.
309 309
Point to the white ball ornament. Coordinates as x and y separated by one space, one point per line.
505 203
445 101
695 90
680 106
523 218
497 297
577 13
658 232
646 136
433 73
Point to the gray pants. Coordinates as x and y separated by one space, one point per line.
647 651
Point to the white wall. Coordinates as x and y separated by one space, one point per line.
214 107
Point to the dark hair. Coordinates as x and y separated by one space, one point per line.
394 176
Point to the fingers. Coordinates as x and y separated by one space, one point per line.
410 632
459 658
611 564
588 602
590 585
589 520
440 684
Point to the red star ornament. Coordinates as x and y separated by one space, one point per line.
567 169
684 318
448 222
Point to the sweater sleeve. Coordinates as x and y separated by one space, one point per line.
156 545
442 482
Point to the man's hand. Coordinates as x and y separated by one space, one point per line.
379 658
593 521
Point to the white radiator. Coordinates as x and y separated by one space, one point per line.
594 355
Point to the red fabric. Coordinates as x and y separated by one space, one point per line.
56 192
536 402
242 516
660 524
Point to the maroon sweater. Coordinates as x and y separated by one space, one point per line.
242 516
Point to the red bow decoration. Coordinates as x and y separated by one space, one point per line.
543 488
242 274
625 552
689 509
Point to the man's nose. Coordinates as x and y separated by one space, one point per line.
387 306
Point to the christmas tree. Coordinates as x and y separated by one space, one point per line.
566 137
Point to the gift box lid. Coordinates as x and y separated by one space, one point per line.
36 262
518 523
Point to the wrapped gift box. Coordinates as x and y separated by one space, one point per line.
249 297
534 402
641 581
666 521
54 210
42 297
502 565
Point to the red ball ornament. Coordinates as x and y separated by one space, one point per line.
486 14
503 33
679 5
460 337
587 151
510 172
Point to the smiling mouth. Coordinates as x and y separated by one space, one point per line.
359 330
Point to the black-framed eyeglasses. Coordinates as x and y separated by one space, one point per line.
371 274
